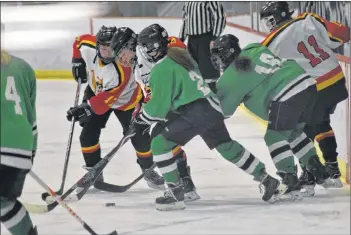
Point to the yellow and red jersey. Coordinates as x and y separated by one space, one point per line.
114 85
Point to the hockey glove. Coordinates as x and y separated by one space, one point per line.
82 113
79 70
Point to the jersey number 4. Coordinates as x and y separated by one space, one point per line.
314 61
12 95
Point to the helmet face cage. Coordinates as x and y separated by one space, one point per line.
103 41
222 57
153 41
268 23
126 53
273 13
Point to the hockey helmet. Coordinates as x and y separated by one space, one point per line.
273 13
103 41
123 45
224 51
154 41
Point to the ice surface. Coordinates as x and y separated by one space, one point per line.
230 203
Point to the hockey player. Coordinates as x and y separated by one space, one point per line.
276 90
111 89
18 140
132 56
176 86
309 40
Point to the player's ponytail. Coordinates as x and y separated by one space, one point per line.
181 57
243 64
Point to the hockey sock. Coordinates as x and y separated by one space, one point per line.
327 144
92 155
166 163
303 148
15 217
145 159
242 158
281 153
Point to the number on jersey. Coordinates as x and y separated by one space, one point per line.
273 62
201 85
314 61
12 95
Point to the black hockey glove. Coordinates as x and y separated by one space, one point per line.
81 113
79 70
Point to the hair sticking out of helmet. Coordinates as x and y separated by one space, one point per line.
103 41
182 57
123 44
154 41
273 14
224 51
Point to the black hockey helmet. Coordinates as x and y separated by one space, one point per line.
154 41
273 13
123 45
103 41
224 51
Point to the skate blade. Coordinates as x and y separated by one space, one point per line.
282 196
332 183
191 196
308 191
171 207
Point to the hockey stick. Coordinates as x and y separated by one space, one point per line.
68 149
121 188
84 183
64 205
101 186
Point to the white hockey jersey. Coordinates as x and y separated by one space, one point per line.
309 40
114 85
144 66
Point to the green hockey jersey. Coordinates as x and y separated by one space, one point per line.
173 86
269 78
18 112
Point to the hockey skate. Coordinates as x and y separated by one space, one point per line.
307 183
269 188
154 180
316 168
173 198
334 180
190 193
290 189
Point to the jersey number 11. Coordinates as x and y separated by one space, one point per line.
314 61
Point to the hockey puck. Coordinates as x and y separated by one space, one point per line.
110 204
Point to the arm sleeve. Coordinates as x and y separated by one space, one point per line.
229 96
157 108
335 34
183 33
218 16
83 42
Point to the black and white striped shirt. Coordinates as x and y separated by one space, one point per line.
202 17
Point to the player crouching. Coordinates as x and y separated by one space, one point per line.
111 89
278 91
128 55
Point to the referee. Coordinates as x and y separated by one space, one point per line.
203 22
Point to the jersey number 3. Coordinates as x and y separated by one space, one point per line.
12 95
314 61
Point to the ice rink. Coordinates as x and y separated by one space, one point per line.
230 200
